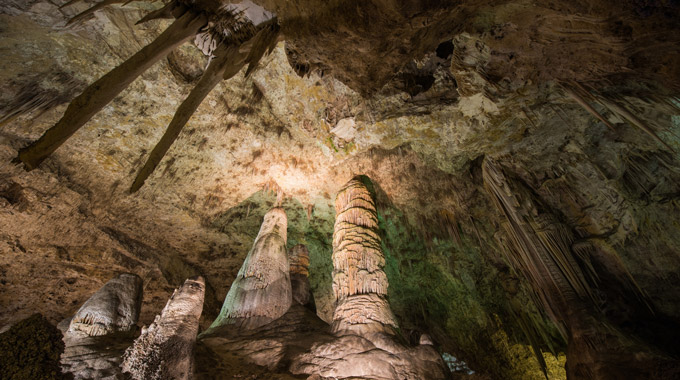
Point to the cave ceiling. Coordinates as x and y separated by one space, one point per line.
575 101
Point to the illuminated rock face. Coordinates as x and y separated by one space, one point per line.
359 282
113 308
164 350
298 256
261 291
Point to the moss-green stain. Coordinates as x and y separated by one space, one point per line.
453 294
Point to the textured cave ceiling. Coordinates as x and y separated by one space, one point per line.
575 101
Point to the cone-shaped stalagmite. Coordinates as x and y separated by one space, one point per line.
164 350
227 62
359 282
261 291
102 329
101 92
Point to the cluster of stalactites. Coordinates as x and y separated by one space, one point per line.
233 37
359 282
538 245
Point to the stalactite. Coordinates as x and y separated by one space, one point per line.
583 103
101 92
166 12
228 60
100 5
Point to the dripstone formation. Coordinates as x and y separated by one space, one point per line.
165 349
366 346
359 282
113 308
261 291
100 331
298 256
561 270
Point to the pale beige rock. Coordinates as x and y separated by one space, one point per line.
113 308
359 282
98 334
365 347
164 350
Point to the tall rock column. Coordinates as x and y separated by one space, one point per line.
261 291
359 282
164 350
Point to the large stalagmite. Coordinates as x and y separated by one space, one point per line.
113 308
366 345
359 282
261 291
164 350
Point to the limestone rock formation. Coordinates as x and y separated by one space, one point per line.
359 282
165 349
366 346
261 291
100 331
298 256
562 273
113 308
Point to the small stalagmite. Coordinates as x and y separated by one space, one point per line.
101 330
261 291
164 350
113 308
359 282
298 257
